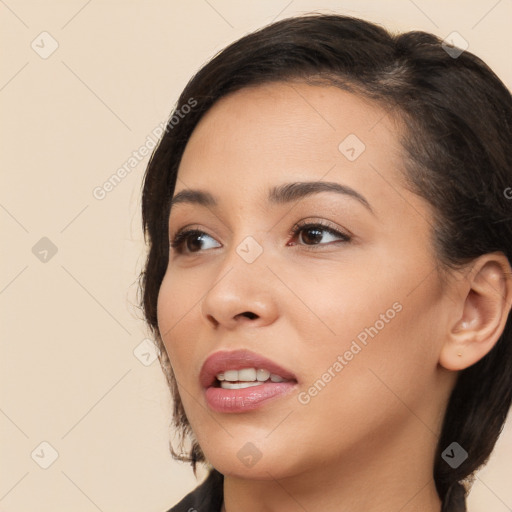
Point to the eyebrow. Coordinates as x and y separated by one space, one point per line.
282 194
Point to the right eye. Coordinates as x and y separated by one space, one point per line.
190 241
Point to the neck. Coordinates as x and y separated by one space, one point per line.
341 496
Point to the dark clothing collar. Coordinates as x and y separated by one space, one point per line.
208 496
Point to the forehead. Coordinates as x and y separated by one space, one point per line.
288 117
280 132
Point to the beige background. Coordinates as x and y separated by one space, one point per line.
69 323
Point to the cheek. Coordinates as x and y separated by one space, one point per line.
176 302
340 305
355 389
366 330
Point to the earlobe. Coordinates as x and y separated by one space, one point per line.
486 292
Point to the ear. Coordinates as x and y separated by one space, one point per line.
486 295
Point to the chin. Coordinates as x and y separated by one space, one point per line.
261 470
250 460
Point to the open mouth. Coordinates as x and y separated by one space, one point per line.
246 378
241 380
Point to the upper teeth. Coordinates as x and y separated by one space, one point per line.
249 375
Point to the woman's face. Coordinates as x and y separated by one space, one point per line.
352 308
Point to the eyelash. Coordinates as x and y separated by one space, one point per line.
182 236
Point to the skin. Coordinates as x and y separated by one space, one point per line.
366 441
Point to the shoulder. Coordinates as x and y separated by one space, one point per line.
206 497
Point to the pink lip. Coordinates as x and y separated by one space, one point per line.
241 400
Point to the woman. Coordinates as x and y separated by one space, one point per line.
329 223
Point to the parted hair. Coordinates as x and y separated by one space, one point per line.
457 139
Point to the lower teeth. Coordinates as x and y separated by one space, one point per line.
225 384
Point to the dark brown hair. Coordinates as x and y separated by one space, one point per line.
457 139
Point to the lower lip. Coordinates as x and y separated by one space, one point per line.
245 399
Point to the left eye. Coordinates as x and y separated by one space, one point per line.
313 234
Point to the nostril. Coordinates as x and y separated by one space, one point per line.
212 320
250 315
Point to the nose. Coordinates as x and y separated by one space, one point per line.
241 293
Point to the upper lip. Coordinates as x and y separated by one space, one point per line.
236 360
